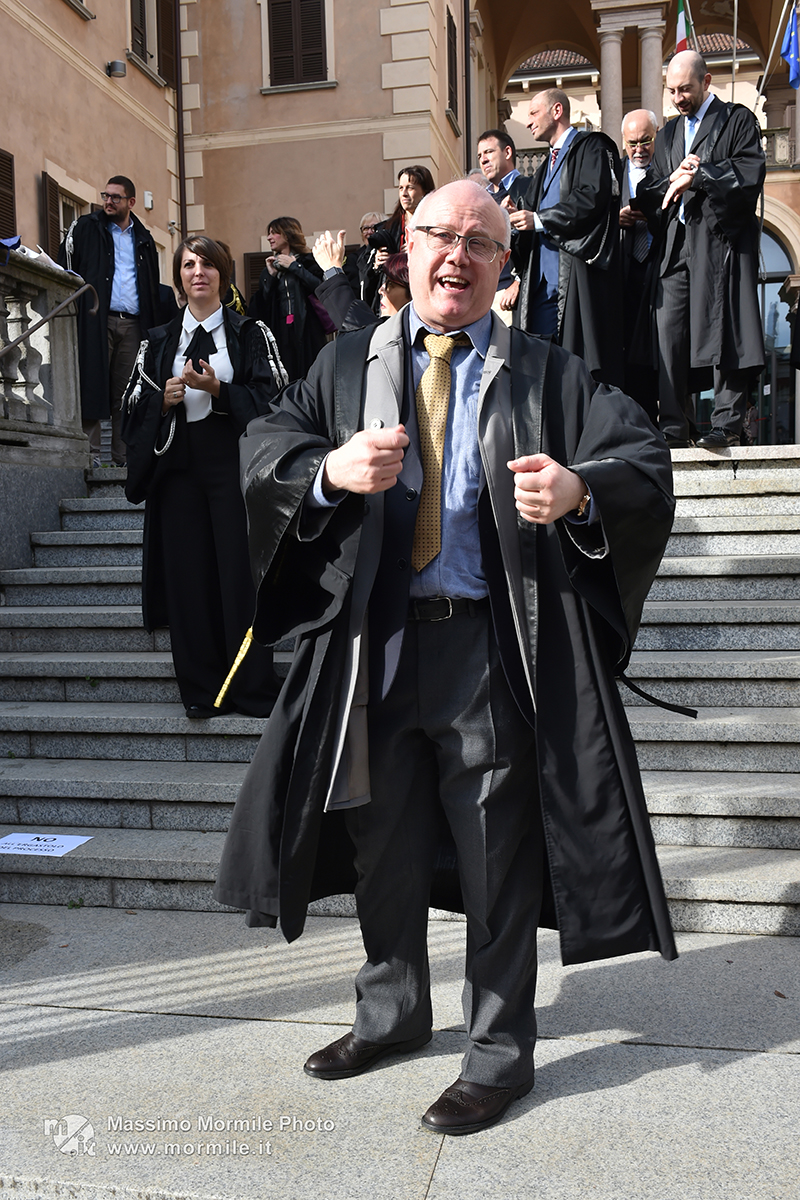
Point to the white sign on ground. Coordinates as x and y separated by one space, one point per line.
54 845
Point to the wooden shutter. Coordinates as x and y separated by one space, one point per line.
8 207
452 64
167 68
253 266
297 42
139 28
51 216
311 40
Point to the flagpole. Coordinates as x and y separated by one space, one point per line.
778 32
691 22
735 37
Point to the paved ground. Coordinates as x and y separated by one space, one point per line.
165 1051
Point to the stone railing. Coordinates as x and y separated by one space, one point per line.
43 450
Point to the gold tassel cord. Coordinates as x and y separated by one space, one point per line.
245 646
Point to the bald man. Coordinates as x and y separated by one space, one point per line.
639 129
700 199
462 542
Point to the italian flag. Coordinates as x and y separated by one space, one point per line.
683 29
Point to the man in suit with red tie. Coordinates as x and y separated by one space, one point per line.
566 240
700 201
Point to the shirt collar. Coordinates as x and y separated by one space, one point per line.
115 228
559 144
703 109
479 332
190 323
509 178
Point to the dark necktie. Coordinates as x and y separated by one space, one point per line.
433 400
201 346
641 242
553 157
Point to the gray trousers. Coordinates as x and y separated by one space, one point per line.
676 415
124 336
449 732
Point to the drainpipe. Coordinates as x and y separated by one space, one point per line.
467 92
179 122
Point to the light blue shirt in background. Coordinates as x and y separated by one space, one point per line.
124 287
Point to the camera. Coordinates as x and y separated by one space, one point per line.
381 239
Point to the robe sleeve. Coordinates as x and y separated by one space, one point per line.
731 185
301 583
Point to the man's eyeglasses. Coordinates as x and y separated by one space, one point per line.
113 197
648 141
441 241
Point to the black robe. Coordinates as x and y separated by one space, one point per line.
583 226
253 386
721 235
282 302
88 249
579 615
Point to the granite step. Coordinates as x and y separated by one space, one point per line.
85 548
72 585
720 739
125 795
728 577
101 512
711 542
731 889
737 678
96 678
152 732
97 628
717 625
744 505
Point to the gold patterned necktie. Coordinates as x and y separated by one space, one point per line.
433 400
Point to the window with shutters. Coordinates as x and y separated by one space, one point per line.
59 210
452 65
153 38
297 42
8 206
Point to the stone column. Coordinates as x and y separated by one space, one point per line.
652 49
611 82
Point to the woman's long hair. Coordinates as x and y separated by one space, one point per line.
420 175
292 230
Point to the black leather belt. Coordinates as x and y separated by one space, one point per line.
441 608
128 316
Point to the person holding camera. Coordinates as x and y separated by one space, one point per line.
285 297
390 237
197 383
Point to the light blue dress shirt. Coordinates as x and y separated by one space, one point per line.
124 286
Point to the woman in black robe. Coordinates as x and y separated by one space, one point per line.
199 380
284 297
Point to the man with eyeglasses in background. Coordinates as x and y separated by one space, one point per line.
700 199
639 130
114 252
462 541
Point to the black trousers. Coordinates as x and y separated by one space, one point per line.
450 734
206 568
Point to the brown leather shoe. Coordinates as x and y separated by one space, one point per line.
469 1107
351 1055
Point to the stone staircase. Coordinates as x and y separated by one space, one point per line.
93 739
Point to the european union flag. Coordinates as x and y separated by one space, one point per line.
789 50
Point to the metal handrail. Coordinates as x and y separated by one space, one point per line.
87 287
